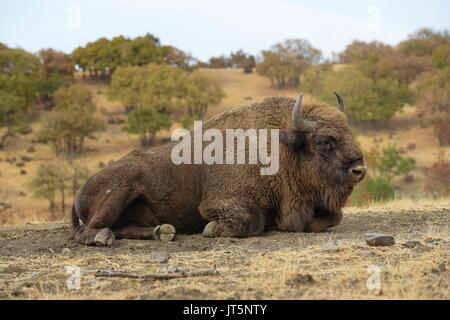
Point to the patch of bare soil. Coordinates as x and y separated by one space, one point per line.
38 262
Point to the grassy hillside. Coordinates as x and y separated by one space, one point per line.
112 144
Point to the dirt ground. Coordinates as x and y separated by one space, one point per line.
329 265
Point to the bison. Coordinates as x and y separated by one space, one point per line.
145 195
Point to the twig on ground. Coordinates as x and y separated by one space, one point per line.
156 276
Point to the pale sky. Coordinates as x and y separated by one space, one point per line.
210 28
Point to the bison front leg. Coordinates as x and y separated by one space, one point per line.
293 217
319 224
232 218
302 218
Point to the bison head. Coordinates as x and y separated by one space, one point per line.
328 161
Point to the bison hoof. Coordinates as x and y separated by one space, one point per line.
165 232
208 232
104 237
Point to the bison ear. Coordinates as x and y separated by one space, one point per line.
340 101
293 139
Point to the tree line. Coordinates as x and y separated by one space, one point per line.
160 84
156 84
154 94
377 80
26 79
99 59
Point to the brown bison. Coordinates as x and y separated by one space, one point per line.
146 196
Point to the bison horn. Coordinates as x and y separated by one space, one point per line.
297 118
340 101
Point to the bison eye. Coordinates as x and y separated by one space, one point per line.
325 145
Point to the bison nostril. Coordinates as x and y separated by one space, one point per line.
358 171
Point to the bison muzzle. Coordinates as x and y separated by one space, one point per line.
145 195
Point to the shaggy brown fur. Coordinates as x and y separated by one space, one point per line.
143 190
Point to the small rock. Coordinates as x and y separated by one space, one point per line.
416 245
433 240
159 257
331 245
23 171
440 269
26 159
66 252
411 146
172 269
409 178
366 253
14 269
300 279
377 292
17 292
379 239
412 244
4 206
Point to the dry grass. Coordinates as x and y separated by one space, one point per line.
242 89
275 265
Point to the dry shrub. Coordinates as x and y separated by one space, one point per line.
442 131
433 102
438 177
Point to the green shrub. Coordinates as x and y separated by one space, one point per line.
146 122
366 100
391 164
54 180
378 184
380 189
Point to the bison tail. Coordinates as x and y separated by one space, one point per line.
75 219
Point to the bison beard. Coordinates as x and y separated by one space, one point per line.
146 196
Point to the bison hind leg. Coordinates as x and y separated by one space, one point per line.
139 222
164 232
232 218
138 213
94 237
